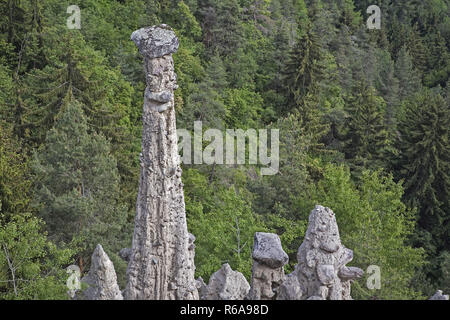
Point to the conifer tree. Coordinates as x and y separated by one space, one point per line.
77 188
6 94
365 133
408 76
387 85
31 267
424 165
417 49
221 25
304 69
206 101
14 175
13 24
74 67
438 63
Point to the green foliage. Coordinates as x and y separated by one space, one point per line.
292 232
14 182
224 225
439 62
274 194
31 267
205 102
243 108
222 32
417 49
185 22
350 17
409 79
387 85
304 68
366 135
424 164
6 86
77 188
75 69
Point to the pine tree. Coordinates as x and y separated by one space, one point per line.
74 68
31 267
77 189
301 14
278 195
14 23
33 46
396 36
350 17
185 22
283 34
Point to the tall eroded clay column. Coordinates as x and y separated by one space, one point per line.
161 265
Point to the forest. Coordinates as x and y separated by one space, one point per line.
363 117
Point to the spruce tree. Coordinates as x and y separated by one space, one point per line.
303 70
221 25
406 73
424 165
75 67
388 86
366 137
438 63
417 49
31 267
